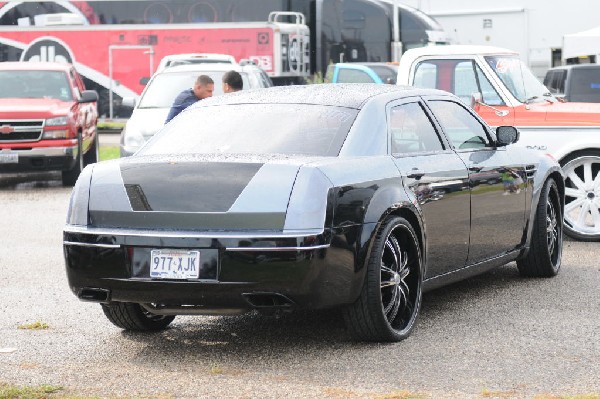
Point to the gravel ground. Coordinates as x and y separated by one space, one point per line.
496 335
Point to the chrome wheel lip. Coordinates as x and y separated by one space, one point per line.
582 212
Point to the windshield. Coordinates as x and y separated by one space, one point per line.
255 129
163 89
35 84
517 78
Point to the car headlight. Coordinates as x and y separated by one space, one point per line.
58 121
132 138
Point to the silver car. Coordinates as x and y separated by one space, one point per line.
151 111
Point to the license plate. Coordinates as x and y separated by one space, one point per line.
178 264
9 158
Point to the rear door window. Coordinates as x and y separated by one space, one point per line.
411 130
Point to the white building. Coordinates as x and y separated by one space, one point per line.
534 28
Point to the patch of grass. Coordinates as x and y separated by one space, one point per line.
109 152
39 392
400 395
497 394
215 369
582 396
38 325
111 125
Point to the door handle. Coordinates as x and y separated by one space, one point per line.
475 169
415 173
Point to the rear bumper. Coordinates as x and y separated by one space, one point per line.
306 271
39 159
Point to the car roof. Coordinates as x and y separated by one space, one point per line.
202 56
349 95
457 49
35 66
209 67
575 66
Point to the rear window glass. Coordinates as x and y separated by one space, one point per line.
585 85
255 129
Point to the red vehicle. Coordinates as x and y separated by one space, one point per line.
47 119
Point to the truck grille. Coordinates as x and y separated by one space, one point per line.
12 131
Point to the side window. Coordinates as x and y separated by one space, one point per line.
465 82
561 76
78 84
353 76
461 77
411 130
462 128
426 76
548 81
488 93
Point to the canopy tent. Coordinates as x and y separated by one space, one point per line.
581 43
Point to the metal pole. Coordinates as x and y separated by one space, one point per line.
396 44
110 68
110 83
396 22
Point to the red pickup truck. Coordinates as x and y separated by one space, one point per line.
47 119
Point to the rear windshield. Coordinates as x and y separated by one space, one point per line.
255 129
585 85
163 89
35 84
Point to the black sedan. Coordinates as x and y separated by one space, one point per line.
360 197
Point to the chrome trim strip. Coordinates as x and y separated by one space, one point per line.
189 234
44 151
87 244
275 249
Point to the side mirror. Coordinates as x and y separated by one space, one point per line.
88 96
128 102
476 99
144 81
506 135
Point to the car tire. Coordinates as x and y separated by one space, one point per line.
133 317
390 300
545 251
69 177
582 195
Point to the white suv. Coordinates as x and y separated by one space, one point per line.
151 111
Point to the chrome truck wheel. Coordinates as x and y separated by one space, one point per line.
582 196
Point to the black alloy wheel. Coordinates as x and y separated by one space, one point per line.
389 303
545 251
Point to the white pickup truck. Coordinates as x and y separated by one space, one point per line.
503 91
